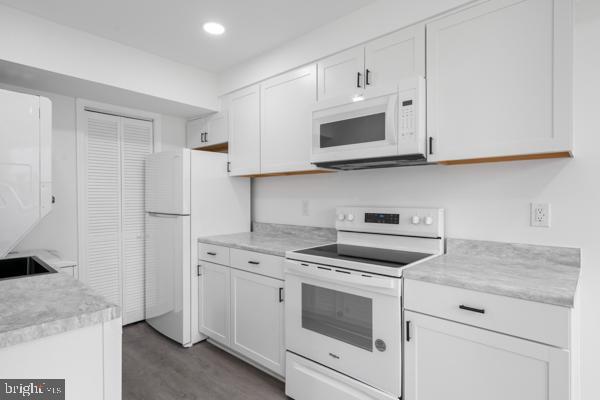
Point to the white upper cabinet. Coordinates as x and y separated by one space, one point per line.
208 131
393 57
341 75
499 80
447 360
378 64
286 121
243 108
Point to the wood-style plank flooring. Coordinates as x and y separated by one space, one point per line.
156 368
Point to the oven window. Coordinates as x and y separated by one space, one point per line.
339 315
370 128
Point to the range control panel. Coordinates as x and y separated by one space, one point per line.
407 221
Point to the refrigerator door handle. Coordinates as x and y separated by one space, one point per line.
163 215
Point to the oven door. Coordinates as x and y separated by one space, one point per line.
346 320
358 130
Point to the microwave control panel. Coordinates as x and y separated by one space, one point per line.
411 116
407 117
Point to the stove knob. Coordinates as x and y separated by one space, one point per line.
341 216
350 217
428 220
416 220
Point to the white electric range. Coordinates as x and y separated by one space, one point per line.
344 303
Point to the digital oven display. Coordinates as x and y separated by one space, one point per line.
376 218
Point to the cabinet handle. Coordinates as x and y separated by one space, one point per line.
205 137
367 75
467 308
358 75
408 331
199 271
281 295
254 262
202 137
430 145
211 253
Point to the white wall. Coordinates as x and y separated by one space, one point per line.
489 202
369 22
58 230
35 42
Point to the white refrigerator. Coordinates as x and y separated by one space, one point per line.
188 194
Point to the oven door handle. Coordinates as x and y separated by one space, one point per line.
337 275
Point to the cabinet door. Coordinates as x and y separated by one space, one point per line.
257 319
208 131
499 80
214 301
394 57
243 107
216 129
341 75
195 133
286 107
448 360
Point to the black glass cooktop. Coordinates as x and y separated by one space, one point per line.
368 255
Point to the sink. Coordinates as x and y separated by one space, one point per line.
22 267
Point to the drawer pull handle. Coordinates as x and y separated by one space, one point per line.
467 308
253 262
211 253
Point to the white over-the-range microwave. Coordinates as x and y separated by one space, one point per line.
380 128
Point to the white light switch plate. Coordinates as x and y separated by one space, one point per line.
540 215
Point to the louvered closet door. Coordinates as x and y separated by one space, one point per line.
114 149
102 205
136 146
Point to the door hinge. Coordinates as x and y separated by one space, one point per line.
408 331
228 166
281 295
430 145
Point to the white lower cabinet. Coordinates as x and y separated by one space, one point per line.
449 360
257 311
214 301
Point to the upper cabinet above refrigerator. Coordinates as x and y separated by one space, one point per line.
381 63
499 81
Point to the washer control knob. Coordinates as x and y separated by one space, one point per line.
350 217
416 220
341 217
428 220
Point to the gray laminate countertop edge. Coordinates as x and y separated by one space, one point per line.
274 239
541 274
42 305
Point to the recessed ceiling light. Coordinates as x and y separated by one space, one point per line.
214 28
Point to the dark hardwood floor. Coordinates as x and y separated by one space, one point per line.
156 368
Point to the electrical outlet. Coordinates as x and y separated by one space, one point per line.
540 215
305 208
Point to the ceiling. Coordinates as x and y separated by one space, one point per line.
173 29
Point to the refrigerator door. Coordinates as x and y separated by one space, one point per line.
168 182
167 277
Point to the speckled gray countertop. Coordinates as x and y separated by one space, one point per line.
47 304
274 239
536 273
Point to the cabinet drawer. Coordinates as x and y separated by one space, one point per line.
259 263
526 319
213 253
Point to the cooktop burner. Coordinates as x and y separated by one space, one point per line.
369 255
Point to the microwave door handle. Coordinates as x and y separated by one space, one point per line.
391 124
